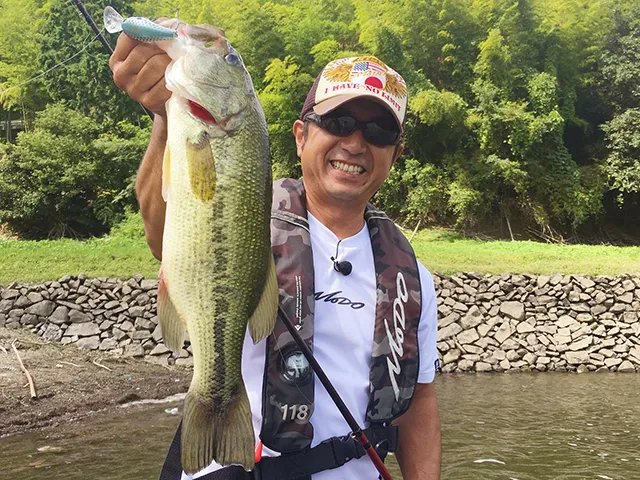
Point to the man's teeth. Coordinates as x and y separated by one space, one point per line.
354 169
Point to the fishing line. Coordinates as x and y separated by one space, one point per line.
65 8
107 47
55 66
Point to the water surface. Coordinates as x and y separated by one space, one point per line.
502 426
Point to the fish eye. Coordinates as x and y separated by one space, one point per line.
232 58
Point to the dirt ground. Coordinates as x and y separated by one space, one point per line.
69 385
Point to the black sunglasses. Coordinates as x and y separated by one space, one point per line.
342 125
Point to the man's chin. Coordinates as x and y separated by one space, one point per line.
346 193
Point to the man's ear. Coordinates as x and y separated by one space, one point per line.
397 152
298 133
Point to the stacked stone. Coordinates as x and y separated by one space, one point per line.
104 314
526 322
486 322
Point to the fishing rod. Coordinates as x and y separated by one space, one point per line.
103 41
344 410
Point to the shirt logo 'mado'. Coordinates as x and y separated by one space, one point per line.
396 340
333 298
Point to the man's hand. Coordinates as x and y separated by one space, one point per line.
138 69
419 448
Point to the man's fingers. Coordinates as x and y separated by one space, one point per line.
155 98
138 69
124 45
125 71
152 71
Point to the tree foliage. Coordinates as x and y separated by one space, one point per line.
67 177
85 83
520 111
621 82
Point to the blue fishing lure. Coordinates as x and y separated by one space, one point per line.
139 28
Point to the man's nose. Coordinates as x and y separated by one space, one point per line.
355 143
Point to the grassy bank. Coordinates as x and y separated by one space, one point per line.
47 260
444 252
440 251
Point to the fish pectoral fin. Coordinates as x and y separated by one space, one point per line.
210 434
202 168
166 171
171 324
264 316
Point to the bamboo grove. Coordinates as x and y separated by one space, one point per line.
524 115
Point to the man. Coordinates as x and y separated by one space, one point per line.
374 307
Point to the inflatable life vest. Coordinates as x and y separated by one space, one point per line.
288 389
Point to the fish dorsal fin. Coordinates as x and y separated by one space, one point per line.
172 324
202 168
263 319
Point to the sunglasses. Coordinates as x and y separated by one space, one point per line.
342 125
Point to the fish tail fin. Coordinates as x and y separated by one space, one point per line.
264 317
224 436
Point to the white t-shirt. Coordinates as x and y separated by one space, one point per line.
343 343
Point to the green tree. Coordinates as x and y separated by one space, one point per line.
20 22
282 100
85 82
66 178
621 81
518 109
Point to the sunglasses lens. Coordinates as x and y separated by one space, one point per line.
374 133
342 125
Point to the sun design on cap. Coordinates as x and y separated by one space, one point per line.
369 71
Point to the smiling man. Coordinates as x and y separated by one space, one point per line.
348 278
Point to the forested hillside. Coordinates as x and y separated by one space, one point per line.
523 114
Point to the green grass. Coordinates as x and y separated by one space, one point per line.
31 261
124 254
446 252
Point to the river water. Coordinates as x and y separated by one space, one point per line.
508 426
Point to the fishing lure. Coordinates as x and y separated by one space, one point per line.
139 28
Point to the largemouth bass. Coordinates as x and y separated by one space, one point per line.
218 273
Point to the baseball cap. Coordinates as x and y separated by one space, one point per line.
345 79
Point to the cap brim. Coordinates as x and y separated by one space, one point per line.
332 103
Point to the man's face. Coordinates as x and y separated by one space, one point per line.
345 169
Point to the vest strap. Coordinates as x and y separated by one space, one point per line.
332 453
172 468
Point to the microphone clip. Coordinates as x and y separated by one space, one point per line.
343 267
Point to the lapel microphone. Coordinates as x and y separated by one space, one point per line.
343 267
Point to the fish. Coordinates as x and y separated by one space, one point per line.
217 277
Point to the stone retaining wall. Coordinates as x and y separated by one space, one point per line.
526 322
107 314
486 322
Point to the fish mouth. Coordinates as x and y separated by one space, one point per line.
203 115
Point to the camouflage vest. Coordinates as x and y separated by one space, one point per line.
288 389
